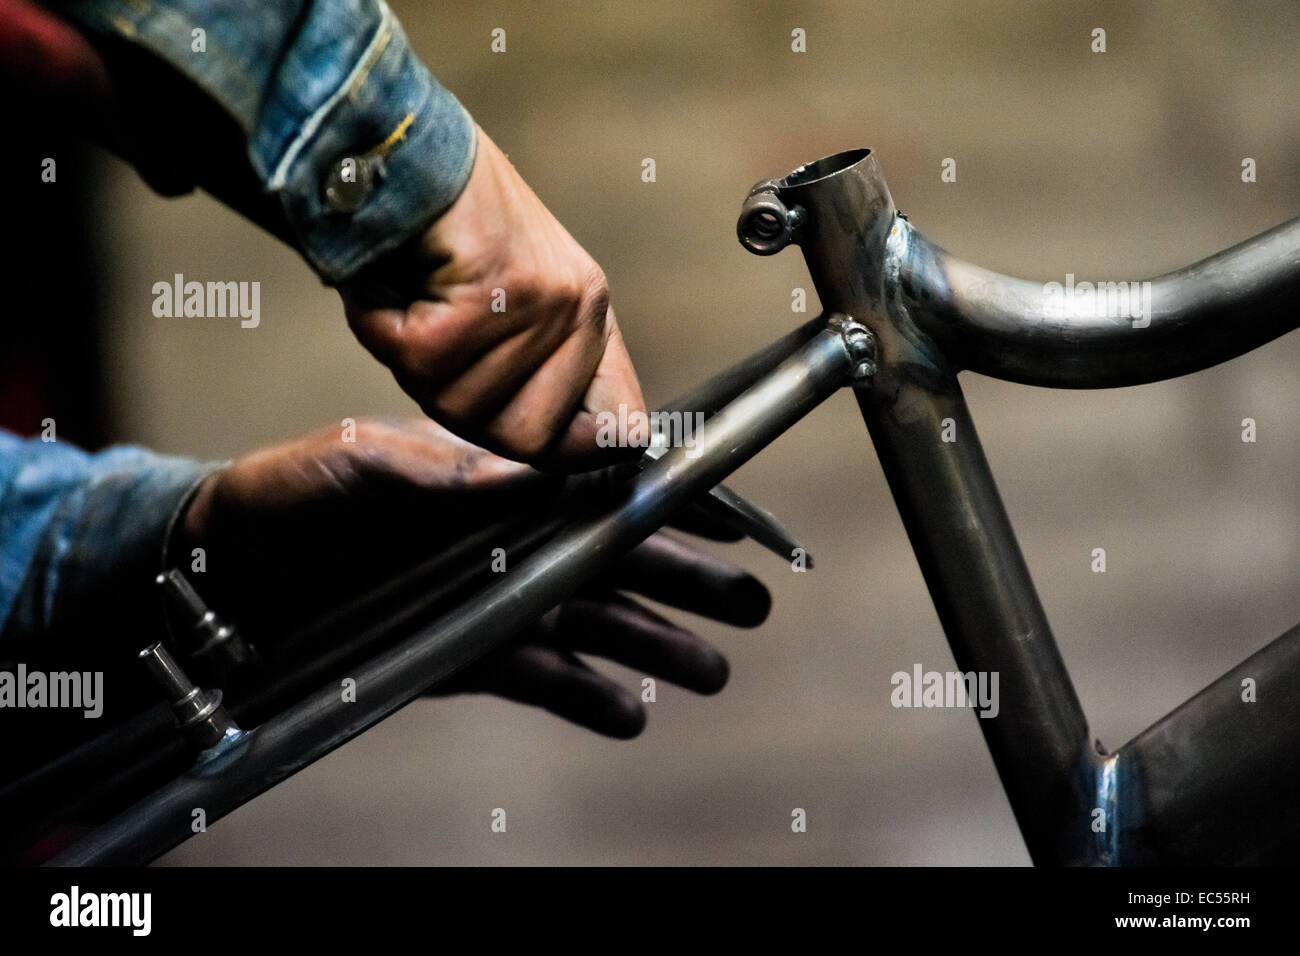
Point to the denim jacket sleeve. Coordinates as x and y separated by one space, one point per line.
355 142
82 538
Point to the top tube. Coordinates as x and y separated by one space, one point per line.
1104 334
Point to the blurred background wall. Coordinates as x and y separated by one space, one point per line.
1118 165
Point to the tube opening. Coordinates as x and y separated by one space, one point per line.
824 168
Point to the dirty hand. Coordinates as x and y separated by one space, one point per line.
316 519
499 325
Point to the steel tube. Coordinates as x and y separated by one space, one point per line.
715 392
951 509
990 612
1217 781
1036 333
383 615
323 721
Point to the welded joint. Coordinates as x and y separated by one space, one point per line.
861 346
923 349
1106 821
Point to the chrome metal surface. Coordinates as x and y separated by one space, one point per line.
951 510
199 713
1113 332
1155 800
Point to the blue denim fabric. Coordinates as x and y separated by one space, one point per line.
310 82
82 537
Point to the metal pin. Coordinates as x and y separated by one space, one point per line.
214 645
198 712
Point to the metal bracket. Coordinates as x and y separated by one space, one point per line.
861 343
766 225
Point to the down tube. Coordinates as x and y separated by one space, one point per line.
989 610
321 722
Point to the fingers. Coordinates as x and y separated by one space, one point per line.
327 516
620 630
427 343
614 384
556 681
672 572
547 674
373 466
505 334
421 455
695 520
416 489
540 411
531 391
476 397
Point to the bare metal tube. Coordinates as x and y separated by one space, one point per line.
932 315
309 730
951 509
1217 781
710 395
390 612
1100 334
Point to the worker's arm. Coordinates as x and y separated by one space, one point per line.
317 120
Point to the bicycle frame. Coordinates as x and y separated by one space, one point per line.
1216 781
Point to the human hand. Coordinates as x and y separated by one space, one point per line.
308 522
498 324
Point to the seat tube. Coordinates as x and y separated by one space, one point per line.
954 517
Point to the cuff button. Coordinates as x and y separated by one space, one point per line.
349 183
